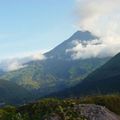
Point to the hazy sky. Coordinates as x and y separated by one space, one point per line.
32 26
28 26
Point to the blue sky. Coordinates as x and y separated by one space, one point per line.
27 26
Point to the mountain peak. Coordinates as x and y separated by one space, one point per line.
83 35
59 52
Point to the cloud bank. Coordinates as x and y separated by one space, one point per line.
18 63
102 18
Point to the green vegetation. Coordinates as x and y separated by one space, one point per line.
61 108
112 102
11 93
52 74
104 80
42 110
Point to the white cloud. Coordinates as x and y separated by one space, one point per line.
10 65
86 49
102 18
37 56
18 63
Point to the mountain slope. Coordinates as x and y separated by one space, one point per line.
59 52
58 71
1 72
53 75
12 93
104 80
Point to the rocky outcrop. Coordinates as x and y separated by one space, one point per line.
89 112
96 112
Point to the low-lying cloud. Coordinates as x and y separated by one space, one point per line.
102 18
18 63
86 49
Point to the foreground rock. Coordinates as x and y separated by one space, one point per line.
89 112
96 112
